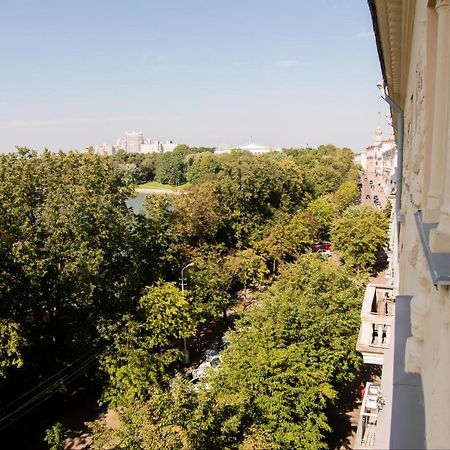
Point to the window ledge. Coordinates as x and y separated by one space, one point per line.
438 263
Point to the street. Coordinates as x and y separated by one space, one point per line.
367 189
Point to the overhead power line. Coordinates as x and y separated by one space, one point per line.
84 364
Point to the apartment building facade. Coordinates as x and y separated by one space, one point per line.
413 41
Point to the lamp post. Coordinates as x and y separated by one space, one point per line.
185 350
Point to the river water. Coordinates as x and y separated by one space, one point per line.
136 202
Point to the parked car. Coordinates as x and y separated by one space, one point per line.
203 369
225 343
211 353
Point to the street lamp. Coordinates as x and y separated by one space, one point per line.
185 350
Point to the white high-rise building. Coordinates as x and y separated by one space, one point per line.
133 141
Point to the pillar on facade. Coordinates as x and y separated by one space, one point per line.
439 137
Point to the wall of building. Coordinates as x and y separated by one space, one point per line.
425 179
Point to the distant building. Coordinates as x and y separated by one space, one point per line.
134 142
105 149
157 146
251 148
380 159
361 159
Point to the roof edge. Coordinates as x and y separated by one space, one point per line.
373 13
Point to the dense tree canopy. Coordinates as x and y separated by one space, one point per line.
141 345
80 272
173 166
290 360
70 253
359 234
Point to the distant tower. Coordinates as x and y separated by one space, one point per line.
378 135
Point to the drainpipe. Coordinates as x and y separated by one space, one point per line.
400 128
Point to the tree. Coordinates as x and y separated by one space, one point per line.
286 242
201 213
55 436
290 362
173 166
246 267
346 194
71 252
325 168
359 234
324 212
210 286
163 422
144 345
11 345
250 190
290 365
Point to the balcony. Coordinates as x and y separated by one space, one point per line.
377 314
394 419
371 405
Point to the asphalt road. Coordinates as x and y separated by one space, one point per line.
366 189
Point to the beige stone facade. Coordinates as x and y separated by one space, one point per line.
413 40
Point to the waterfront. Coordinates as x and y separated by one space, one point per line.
136 202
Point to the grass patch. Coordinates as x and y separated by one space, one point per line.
156 185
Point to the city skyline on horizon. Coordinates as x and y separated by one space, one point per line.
221 75
116 144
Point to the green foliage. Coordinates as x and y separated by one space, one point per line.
246 267
173 166
209 286
71 252
324 168
134 167
167 313
77 268
323 212
163 422
388 210
11 344
55 437
142 346
290 362
359 234
286 242
201 214
346 195
248 191
166 236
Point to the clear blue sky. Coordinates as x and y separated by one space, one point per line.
201 72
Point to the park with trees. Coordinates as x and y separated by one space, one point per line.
91 299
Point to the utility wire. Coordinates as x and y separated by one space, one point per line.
39 401
50 390
49 378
